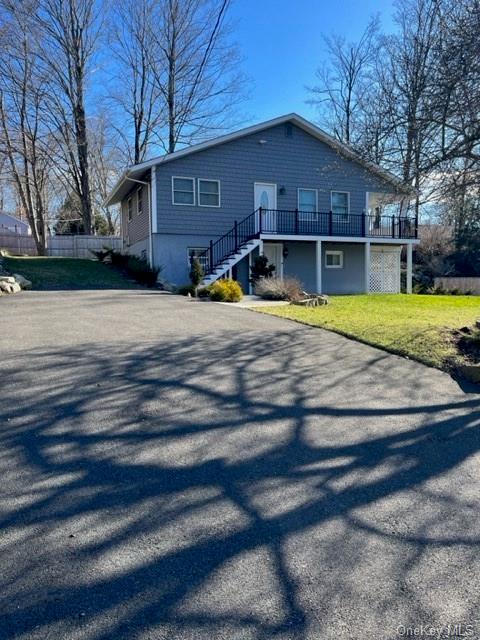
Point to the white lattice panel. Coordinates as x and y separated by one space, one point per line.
376 270
385 272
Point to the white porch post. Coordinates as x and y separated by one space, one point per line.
318 264
409 267
260 247
367 267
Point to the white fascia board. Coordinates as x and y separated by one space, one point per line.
344 239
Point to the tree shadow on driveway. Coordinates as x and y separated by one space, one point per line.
233 488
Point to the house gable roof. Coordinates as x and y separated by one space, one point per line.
8 219
135 172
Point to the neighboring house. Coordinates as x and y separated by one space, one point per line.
10 224
283 188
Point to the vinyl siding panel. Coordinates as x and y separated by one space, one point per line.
299 160
138 228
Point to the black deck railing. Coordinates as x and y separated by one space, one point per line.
295 222
304 223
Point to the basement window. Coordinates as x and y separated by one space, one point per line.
197 252
334 259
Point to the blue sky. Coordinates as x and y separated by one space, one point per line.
281 42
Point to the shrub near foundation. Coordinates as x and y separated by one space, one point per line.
226 291
277 289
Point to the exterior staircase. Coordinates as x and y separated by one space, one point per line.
230 261
229 249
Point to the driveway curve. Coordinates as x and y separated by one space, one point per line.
186 470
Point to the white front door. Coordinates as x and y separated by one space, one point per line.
266 198
274 252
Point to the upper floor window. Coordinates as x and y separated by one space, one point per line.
140 201
307 203
341 204
209 193
129 209
183 190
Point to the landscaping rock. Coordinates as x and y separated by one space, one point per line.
9 279
6 287
471 372
23 282
313 301
16 288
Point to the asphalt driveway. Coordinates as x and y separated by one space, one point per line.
173 469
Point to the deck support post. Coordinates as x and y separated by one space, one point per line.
367 267
409 267
318 265
250 264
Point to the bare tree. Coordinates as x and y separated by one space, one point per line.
197 74
457 93
413 72
69 30
344 82
105 163
24 141
134 90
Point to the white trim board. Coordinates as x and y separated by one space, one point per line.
344 239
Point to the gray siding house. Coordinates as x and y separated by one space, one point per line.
283 188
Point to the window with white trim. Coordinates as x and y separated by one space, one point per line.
208 193
140 201
129 209
340 204
183 191
197 252
334 259
307 203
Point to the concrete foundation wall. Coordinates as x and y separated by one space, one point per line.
170 252
300 263
349 279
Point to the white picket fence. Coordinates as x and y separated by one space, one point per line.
77 246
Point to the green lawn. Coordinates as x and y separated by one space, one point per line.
417 326
67 273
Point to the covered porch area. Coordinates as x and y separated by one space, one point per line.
340 266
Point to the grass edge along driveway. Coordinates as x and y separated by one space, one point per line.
417 326
52 273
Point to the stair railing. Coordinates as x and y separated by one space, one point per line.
228 244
